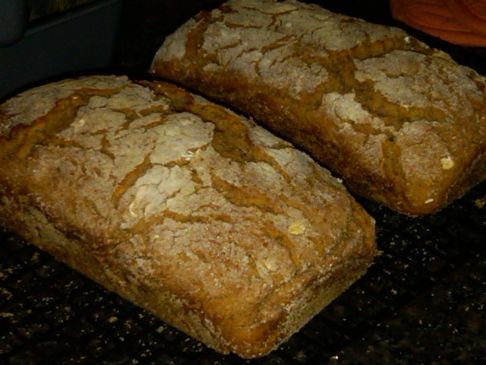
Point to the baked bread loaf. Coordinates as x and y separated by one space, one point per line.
181 206
401 123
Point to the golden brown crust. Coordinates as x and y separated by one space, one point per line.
181 206
401 123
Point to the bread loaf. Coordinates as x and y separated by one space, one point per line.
181 206
401 123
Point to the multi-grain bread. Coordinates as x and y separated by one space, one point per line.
400 122
181 206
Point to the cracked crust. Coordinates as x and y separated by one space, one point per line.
373 104
212 223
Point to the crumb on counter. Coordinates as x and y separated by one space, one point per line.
480 202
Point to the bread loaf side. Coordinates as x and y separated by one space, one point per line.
402 123
212 223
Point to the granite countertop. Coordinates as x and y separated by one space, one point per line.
422 302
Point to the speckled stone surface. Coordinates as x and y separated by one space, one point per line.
423 302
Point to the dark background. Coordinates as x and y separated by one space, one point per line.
422 302
145 23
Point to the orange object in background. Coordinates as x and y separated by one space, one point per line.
460 22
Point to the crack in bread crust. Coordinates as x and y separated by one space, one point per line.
184 204
351 93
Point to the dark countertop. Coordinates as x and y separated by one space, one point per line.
422 302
